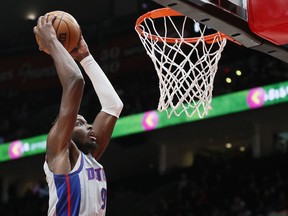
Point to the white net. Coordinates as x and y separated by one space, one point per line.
185 69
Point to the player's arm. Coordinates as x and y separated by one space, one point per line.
112 105
72 83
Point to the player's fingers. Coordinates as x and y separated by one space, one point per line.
35 29
46 18
82 41
39 22
50 18
53 17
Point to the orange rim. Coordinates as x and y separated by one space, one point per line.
166 12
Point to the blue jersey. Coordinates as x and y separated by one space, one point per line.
82 192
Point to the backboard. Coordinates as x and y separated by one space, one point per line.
242 20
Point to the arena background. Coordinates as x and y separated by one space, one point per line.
228 164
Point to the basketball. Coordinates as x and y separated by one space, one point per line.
67 30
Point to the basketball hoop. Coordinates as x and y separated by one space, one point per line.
185 65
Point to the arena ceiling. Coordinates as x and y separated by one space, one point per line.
15 14
19 17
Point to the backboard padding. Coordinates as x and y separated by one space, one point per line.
269 22
227 22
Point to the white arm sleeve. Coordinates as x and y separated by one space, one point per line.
109 99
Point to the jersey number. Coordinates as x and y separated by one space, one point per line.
103 198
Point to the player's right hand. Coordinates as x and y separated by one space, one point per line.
81 51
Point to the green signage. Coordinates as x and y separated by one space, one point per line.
226 104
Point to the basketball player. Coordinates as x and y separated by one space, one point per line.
77 183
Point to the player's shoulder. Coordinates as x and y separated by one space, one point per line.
92 161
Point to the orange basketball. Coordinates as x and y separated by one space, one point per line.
67 30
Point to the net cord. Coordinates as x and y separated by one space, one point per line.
185 85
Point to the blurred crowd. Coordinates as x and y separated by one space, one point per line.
30 113
211 187
228 188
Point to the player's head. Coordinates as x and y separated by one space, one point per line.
83 136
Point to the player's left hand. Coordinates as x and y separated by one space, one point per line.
45 31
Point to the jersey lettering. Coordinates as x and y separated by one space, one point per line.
97 174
